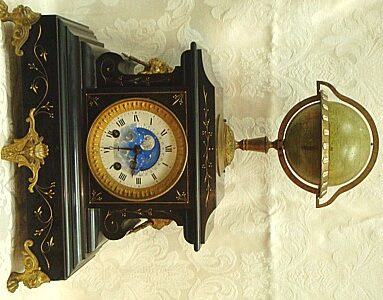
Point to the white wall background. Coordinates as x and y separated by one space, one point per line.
269 241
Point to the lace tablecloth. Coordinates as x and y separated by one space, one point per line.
269 241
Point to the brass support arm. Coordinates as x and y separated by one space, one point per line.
262 144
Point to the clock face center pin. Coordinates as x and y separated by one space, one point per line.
137 149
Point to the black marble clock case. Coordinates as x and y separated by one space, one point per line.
69 77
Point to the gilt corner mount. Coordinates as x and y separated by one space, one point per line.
23 18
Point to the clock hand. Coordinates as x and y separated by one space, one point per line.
117 148
133 163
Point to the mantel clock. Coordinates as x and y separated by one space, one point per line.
110 150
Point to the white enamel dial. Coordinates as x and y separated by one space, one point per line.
136 149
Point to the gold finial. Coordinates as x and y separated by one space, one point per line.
154 223
23 18
160 223
28 151
156 66
153 66
32 277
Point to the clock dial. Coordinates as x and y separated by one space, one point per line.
136 149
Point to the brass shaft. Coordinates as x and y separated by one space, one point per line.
262 144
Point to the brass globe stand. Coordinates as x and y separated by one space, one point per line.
320 143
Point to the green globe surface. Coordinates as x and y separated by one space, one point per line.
349 146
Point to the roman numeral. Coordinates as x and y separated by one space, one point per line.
151 121
122 176
120 122
165 164
163 132
135 118
154 176
109 134
138 180
169 148
114 133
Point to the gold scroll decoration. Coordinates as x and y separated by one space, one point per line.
23 18
32 277
28 151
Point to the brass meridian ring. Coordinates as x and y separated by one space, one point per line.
374 150
325 142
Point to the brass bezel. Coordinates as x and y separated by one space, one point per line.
98 170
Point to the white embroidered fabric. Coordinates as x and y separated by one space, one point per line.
269 240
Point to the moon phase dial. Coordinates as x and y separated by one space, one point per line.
136 149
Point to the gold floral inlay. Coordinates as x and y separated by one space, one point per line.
178 99
44 216
181 196
207 135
